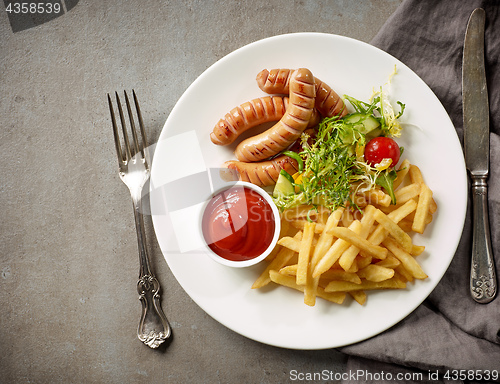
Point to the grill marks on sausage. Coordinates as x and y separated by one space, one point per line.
288 129
277 81
328 101
263 173
248 115
274 81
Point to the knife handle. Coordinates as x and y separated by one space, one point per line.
483 282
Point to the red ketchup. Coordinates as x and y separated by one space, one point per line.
238 224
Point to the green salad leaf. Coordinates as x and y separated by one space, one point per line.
386 180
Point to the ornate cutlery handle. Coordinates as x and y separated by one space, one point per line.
153 327
483 282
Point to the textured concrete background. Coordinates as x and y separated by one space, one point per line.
68 263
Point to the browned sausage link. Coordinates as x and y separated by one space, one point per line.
289 128
275 80
328 102
251 114
263 173
246 116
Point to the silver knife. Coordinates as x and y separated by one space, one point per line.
483 282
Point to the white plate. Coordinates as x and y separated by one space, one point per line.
278 316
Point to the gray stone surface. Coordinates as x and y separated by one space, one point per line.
68 262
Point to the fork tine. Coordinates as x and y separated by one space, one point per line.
115 131
124 128
132 125
141 125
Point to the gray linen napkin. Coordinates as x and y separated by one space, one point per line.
449 330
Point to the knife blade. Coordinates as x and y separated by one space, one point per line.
483 282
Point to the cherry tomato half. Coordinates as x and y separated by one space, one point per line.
380 148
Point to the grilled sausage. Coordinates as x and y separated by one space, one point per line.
251 114
263 173
276 81
289 128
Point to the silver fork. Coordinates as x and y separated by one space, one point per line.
134 171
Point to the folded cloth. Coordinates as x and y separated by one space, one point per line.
449 330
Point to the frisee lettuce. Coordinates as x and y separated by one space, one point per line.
333 169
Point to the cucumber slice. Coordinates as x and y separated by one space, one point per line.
284 185
361 123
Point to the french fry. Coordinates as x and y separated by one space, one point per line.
380 233
424 201
305 253
376 273
403 169
289 270
354 266
411 218
359 296
335 251
399 235
326 239
403 211
340 274
347 218
432 206
406 224
324 242
301 224
344 286
283 256
363 261
417 250
406 193
401 272
360 200
378 197
389 262
292 243
407 260
358 241
349 255
325 278
415 174
288 281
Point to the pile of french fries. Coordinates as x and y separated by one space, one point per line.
349 252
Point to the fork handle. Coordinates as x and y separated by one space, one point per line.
153 327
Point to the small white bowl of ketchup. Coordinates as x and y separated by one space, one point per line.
240 225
